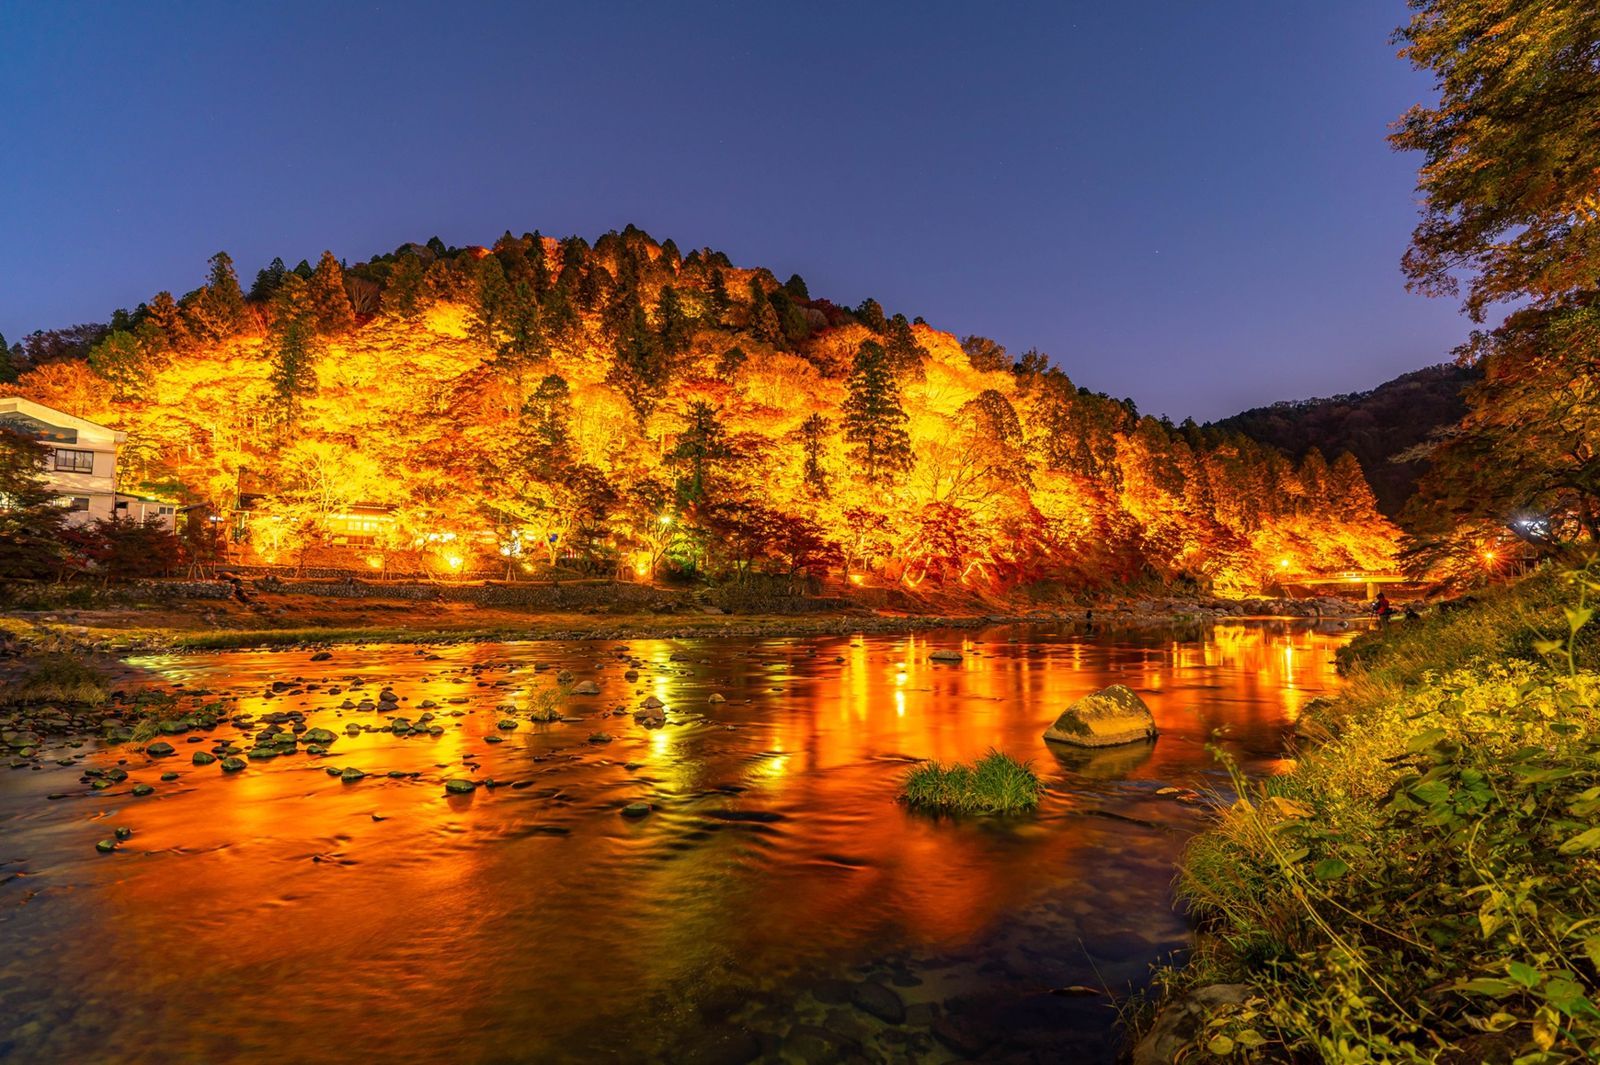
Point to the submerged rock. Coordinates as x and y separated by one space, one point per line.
945 655
1104 718
882 1002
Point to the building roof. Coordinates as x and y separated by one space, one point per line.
47 423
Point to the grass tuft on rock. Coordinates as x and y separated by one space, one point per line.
996 784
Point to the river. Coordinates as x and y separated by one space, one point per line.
777 899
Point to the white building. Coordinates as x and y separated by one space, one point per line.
82 464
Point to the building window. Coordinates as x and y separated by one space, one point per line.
78 504
69 461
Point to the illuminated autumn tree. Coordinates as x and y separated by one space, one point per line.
873 419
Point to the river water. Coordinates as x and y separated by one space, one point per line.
776 903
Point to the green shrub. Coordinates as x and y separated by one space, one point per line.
1426 885
998 783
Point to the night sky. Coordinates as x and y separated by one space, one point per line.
1187 203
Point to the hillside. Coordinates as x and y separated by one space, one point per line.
1375 426
623 407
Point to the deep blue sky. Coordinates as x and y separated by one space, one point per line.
1188 203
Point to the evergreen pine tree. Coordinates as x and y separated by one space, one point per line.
32 519
905 354
547 418
796 287
638 366
874 421
676 329
560 317
813 437
763 319
218 311
402 296
719 294
165 314
701 445
491 304
329 303
294 348
871 314
268 278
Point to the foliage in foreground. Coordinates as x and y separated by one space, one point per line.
56 677
1425 886
997 783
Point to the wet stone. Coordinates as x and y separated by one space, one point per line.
880 1001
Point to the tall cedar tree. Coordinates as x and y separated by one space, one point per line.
813 437
874 421
294 348
763 319
702 444
217 310
328 302
402 296
32 518
676 330
491 307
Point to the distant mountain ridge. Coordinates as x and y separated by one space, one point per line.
1375 426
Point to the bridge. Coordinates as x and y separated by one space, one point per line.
1345 578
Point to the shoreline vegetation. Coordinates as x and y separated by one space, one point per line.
1424 884
289 621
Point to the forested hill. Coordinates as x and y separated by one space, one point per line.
544 404
1375 426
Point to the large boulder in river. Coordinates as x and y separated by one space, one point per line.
1104 718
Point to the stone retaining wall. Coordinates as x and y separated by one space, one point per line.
576 594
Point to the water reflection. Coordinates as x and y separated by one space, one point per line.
279 914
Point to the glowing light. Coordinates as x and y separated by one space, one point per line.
1488 558
374 561
665 519
1283 563
856 578
453 561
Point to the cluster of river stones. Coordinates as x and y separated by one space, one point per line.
35 737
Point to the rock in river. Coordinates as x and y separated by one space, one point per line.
1104 719
459 785
880 1001
945 655
159 749
586 687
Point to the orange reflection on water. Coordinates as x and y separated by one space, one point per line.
531 922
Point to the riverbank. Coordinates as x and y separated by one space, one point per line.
1423 884
299 619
